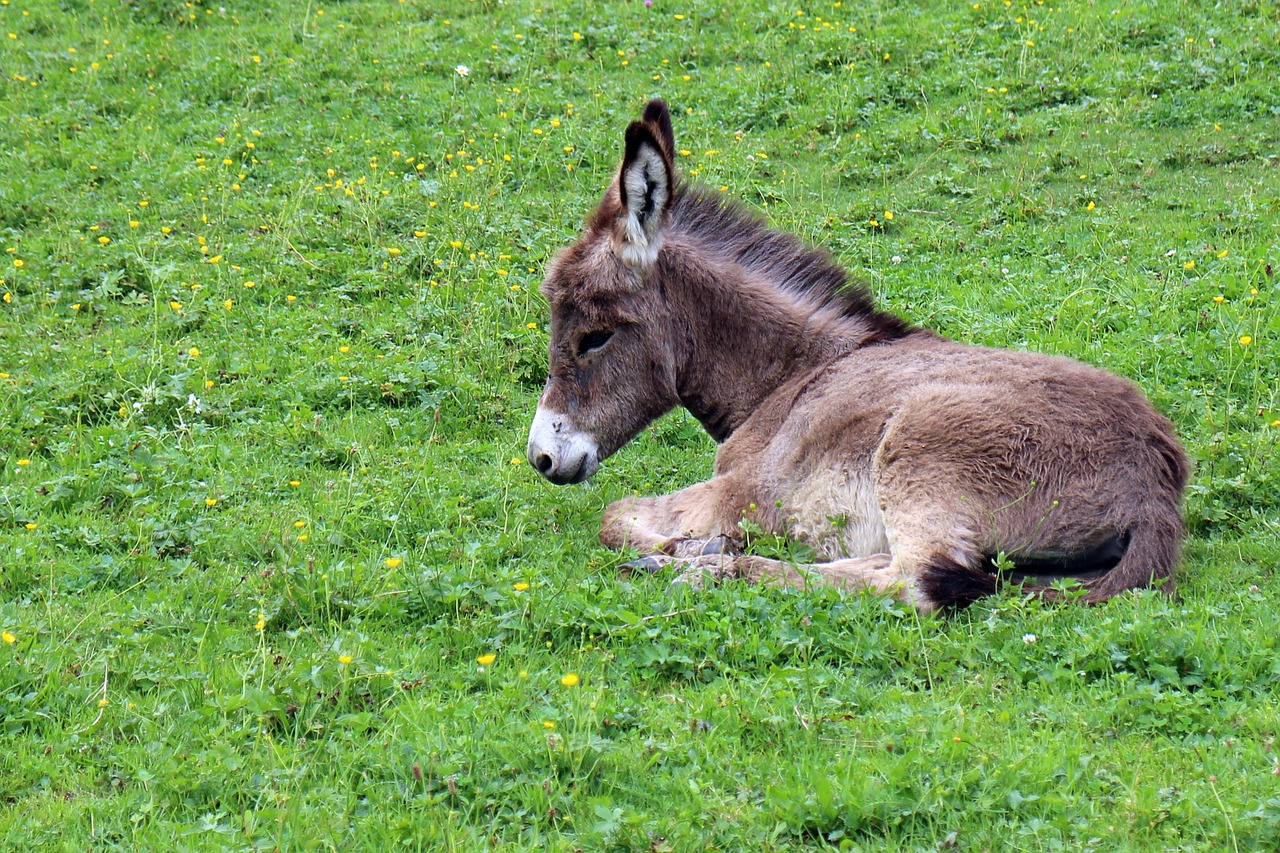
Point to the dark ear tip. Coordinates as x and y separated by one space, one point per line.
657 112
658 117
637 129
638 133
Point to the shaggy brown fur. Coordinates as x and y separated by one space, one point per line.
907 462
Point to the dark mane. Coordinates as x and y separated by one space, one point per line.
745 237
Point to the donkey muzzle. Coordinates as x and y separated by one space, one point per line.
559 451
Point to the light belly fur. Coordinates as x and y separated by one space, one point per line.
836 514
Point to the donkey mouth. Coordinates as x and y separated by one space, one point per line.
584 471
563 475
563 469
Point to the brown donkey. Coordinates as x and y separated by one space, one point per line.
908 463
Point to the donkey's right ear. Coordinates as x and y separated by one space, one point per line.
644 188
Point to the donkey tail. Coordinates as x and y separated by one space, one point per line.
1155 542
1146 557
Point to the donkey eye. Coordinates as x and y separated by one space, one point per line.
593 341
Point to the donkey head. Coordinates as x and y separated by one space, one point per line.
612 365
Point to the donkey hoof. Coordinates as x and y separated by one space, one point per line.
650 565
697 577
717 545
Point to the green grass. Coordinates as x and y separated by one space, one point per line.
253 539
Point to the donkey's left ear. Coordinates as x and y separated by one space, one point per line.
644 184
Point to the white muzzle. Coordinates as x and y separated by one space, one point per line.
559 451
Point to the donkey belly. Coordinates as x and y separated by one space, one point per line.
835 513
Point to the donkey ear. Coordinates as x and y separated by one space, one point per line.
644 185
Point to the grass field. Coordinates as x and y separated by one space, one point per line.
273 572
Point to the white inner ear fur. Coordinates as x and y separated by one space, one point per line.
647 195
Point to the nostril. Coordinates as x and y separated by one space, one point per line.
543 463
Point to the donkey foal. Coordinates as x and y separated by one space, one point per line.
906 461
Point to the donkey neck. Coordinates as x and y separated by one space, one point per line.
739 338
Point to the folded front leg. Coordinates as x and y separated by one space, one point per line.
680 551
678 524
